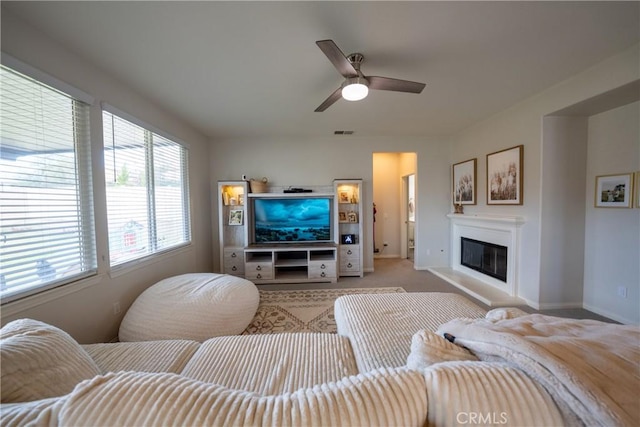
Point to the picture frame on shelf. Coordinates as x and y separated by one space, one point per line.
342 217
505 176
236 217
344 197
352 216
464 182
614 191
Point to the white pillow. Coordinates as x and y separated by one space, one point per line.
40 361
428 348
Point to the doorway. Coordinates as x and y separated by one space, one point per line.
394 184
409 194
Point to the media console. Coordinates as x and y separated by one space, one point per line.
286 254
291 263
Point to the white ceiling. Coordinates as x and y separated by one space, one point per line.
246 69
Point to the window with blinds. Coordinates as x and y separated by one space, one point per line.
146 177
46 217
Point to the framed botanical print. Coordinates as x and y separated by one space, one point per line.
464 182
614 191
505 176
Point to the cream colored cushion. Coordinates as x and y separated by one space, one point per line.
40 361
481 393
195 306
381 326
272 364
384 398
24 414
143 356
428 348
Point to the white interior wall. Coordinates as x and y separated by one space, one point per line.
86 312
523 124
318 161
564 162
612 238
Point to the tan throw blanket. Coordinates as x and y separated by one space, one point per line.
589 366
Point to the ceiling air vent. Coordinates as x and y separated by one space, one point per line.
343 132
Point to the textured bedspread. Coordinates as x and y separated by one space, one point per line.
591 367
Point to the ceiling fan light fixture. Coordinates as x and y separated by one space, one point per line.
355 89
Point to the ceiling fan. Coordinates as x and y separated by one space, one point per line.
356 85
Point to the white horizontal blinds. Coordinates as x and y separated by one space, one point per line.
125 157
171 192
147 205
46 220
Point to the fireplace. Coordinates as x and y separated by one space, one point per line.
492 243
484 257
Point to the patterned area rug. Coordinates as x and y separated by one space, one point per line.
309 310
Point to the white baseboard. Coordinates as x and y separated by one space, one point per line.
608 314
559 306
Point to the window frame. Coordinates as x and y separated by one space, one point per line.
149 132
84 182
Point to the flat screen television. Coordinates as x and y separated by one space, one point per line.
291 220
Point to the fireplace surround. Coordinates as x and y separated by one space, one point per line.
496 231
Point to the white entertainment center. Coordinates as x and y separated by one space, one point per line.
265 237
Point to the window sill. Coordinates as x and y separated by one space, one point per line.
14 307
131 266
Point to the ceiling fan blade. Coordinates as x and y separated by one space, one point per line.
330 100
386 83
337 58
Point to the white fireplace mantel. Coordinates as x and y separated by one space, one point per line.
507 219
502 230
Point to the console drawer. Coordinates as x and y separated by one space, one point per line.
322 269
258 270
234 261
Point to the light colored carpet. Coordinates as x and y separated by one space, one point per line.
309 310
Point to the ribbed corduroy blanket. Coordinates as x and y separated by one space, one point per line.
589 366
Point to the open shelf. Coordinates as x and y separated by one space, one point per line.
291 263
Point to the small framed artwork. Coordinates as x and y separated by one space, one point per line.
344 197
236 217
505 176
464 182
342 216
352 216
614 191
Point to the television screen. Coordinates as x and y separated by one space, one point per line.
292 219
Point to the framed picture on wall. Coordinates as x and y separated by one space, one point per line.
236 217
464 182
505 176
614 191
